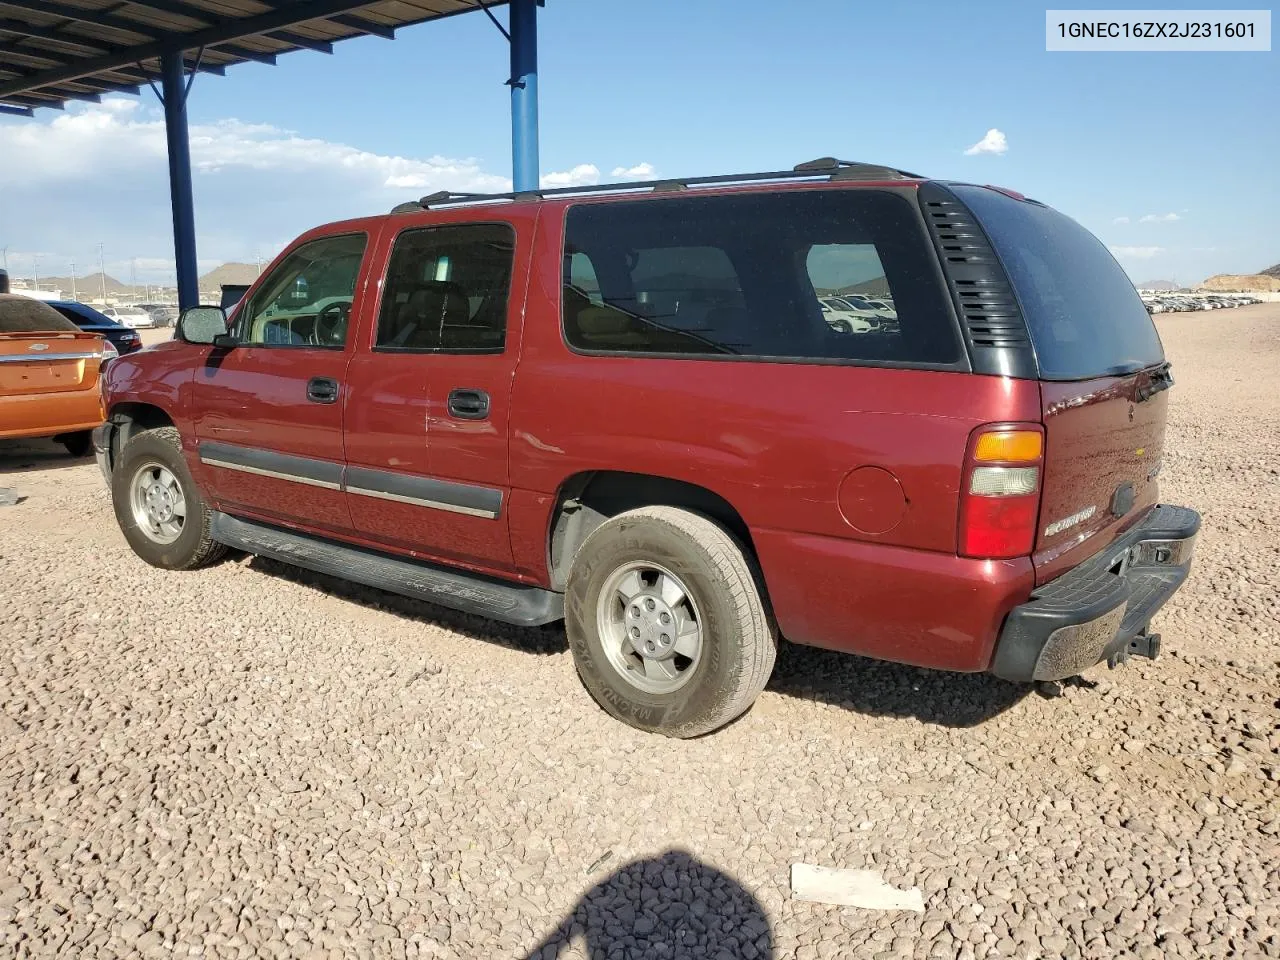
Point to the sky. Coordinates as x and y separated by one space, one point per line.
1170 158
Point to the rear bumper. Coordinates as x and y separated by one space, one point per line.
1096 610
49 414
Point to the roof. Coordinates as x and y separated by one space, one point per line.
52 51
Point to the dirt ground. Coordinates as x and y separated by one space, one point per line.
252 761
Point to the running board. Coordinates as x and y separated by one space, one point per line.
508 602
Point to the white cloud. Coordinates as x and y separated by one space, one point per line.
994 142
1120 220
98 173
1136 253
641 171
1159 218
583 175
109 139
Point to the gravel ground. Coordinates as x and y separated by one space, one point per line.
256 762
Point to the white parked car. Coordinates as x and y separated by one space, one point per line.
130 316
869 307
843 320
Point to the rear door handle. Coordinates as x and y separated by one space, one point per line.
322 390
469 404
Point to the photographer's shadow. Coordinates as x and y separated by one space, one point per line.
672 906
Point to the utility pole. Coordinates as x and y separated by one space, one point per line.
133 279
35 271
102 275
74 294
6 259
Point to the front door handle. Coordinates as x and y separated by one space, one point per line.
469 404
322 390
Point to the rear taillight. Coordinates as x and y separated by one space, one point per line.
1000 492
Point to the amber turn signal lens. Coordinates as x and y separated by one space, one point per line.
1009 446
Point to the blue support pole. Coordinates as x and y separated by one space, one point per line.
174 95
524 94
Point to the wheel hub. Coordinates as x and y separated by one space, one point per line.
651 627
159 503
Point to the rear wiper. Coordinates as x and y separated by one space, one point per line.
1161 378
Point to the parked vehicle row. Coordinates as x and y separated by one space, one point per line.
162 315
635 412
1183 302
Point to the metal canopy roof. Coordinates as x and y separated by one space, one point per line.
52 51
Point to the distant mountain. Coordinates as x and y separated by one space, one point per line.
1271 271
1157 285
235 274
1249 283
87 286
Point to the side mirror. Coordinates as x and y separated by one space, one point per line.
201 325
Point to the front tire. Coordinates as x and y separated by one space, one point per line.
666 621
158 505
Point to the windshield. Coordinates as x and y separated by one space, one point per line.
1085 317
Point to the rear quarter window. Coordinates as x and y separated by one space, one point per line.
757 275
1082 311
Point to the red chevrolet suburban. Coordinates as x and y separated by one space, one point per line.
626 406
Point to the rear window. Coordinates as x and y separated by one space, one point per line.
758 275
24 315
83 316
1085 317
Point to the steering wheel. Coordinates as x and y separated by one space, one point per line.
331 324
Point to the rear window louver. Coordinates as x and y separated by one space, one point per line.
989 311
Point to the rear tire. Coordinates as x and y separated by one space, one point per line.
158 505
78 444
666 622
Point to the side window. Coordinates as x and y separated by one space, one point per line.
447 289
306 300
830 275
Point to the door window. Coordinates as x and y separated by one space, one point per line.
447 290
306 300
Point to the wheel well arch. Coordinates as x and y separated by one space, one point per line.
131 418
587 499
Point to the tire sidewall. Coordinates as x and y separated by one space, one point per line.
145 447
717 673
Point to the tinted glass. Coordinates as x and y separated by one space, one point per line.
306 300
447 289
24 315
81 315
1085 317
757 275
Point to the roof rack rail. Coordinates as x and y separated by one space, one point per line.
828 168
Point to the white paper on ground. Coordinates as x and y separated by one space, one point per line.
851 888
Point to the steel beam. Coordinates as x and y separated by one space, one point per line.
174 89
524 94
210 36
